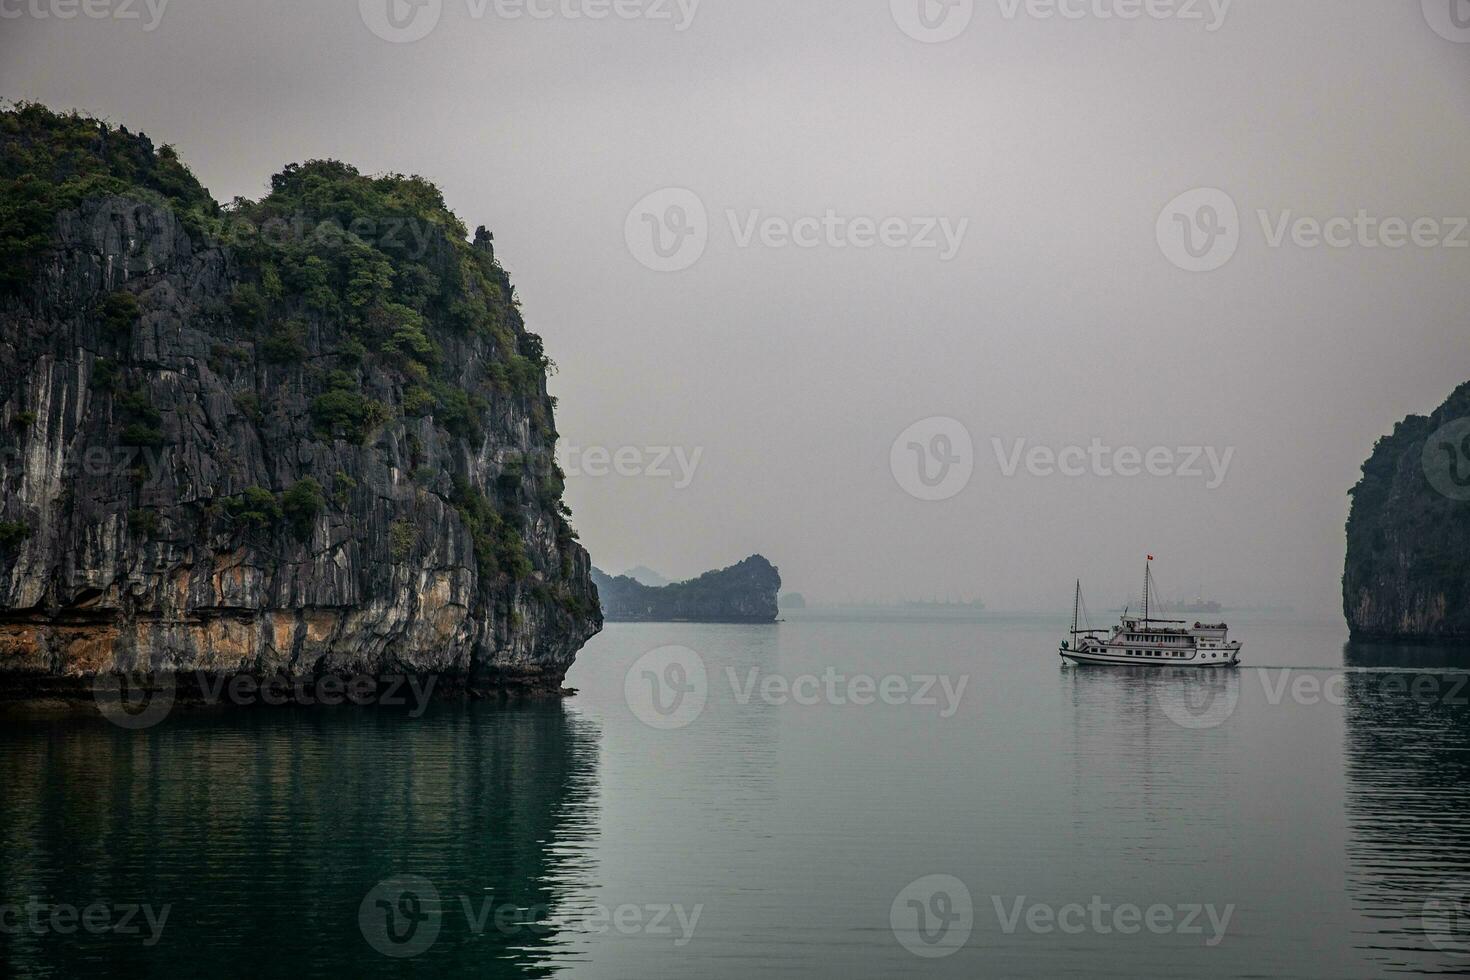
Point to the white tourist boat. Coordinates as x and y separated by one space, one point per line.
1149 641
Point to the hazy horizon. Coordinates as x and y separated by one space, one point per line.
774 379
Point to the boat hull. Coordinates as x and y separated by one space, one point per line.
1106 658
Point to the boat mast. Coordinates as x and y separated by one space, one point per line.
1146 576
1076 601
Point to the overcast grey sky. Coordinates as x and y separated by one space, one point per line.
1064 315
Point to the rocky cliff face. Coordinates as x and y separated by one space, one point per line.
743 593
1407 575
299 437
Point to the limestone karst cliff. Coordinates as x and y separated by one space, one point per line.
1407 575
743 593
305 435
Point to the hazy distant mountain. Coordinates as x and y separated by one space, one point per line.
742 593
644 575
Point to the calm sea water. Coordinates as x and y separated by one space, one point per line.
1307 815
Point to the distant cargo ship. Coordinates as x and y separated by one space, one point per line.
1198 605
974 605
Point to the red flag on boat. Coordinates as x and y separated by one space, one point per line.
1150 557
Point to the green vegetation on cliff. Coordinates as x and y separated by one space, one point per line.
50 162
375 271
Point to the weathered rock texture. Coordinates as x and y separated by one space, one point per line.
157 504
743 593
1407 575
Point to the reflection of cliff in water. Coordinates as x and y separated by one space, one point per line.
265 830
1408 800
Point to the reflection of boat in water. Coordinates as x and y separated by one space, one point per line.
1146 640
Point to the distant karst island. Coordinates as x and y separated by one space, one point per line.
1407 575
743 593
